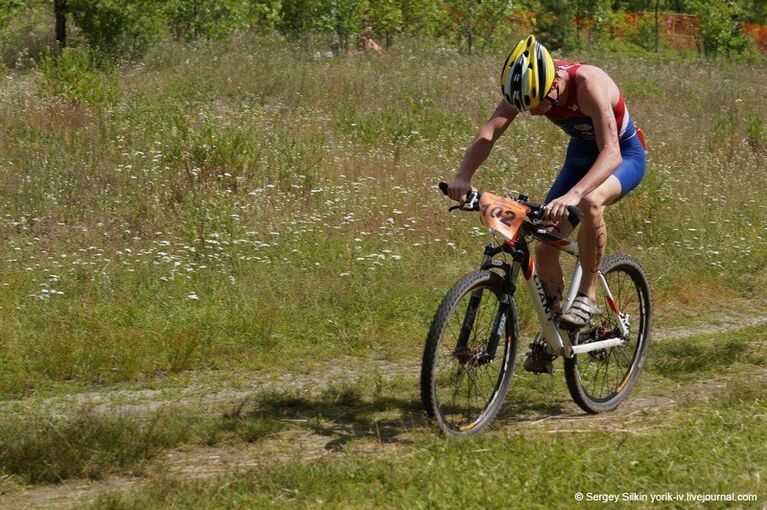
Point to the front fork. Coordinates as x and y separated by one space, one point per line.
468 321
499 322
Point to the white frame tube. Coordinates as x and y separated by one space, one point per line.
551 335
594 346
538 296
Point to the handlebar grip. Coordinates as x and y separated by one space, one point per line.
575 215
443 187
537 211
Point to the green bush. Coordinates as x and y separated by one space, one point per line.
115 28
755 132
720 27
74 76
264 14
644 34
343 18
25 34
195 19
297 17
553 26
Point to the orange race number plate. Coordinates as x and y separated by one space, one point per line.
503 215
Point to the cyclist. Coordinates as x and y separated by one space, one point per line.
605 159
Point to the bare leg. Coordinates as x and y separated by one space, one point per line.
549 268
592 237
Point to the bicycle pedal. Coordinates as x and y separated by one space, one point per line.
538 366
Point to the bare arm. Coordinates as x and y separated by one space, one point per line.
594 99
480 148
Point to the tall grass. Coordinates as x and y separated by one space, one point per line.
252 204
84 445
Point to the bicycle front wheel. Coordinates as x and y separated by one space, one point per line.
468 359
599 380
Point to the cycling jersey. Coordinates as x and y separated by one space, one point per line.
582 151
575 123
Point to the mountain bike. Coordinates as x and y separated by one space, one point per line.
471 349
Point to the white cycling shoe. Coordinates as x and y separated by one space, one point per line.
580 313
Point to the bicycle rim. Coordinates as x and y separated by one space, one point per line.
604 377
467 390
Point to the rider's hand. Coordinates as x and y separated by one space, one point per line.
556 210
458 189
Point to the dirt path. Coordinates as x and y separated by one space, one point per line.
212 390
195 462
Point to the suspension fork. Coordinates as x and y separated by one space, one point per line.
468 320
499 322
499 329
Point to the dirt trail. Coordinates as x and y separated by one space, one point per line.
194 462
212 390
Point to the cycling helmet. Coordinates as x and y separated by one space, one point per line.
527 74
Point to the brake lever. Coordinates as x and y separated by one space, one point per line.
472 200
471 203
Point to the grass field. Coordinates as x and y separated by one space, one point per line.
213 217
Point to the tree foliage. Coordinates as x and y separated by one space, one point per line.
755 11
113 28
386 17
343 17
117 27
720 28
195 19
553 24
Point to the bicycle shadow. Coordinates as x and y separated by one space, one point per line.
380 419
523 412
383 419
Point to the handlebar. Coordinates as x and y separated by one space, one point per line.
535 214
472 199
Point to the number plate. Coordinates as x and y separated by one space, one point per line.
503 215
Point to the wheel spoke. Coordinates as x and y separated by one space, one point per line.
465 385
627 303
594 378
596 374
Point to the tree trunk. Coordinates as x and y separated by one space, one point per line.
60 13
657 27
469 32
196 18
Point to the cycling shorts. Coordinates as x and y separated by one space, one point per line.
582 154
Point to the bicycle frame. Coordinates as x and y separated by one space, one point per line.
558 341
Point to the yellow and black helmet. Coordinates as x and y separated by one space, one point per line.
527 74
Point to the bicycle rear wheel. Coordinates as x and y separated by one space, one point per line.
599 380
468 359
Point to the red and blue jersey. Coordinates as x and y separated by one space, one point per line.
577 124
583 151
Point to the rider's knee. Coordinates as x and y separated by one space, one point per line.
592 205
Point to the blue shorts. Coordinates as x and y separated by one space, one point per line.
581 155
